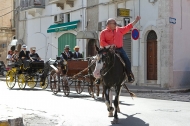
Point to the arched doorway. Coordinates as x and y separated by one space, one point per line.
91 48
152 56
66 39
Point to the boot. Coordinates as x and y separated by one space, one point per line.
131 78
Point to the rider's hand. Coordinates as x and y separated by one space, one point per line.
113 46
137 18
23 57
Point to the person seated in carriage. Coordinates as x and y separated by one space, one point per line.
77 54
24 54
15 56
34 57
67 54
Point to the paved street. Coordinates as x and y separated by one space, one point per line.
42 108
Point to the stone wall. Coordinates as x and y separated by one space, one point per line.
6 30
92 15
164 14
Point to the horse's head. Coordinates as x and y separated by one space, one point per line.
104 59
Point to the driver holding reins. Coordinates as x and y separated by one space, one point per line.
113 36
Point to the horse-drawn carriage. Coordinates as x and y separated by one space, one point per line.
70 72
29 75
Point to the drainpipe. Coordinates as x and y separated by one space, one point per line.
83 28
139 48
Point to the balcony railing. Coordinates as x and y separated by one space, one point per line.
30 4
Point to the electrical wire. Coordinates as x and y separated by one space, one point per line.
6 13
5 8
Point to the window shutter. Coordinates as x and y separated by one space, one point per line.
127 44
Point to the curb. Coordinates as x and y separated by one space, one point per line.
157 91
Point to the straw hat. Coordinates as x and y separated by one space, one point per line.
77 47
34 48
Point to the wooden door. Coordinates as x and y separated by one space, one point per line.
66 39
91 48
152 57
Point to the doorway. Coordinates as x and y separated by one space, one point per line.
91 48
152 56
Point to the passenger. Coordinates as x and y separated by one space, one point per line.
9 59
24 54
34 56
67 54
15 56
77 54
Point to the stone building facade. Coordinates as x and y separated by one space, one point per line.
7 27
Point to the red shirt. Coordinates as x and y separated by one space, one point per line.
110 37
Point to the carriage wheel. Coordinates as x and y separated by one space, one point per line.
79 86
66 88
54 84
21 81
44 83
32 82
10 79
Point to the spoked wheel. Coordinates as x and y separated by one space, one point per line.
79 86
54 83
21 81
10 79
44 83
65 85
31 81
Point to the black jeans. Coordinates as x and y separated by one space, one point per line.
125 59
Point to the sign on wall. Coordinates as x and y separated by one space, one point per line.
172 20
122 12
135 34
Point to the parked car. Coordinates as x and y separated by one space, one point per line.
3 69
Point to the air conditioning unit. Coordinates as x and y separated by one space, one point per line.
101 25
59 18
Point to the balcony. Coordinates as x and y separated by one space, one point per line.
32 6
60 3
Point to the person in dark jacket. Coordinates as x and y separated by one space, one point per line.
24 54
34 56
77 54
67 54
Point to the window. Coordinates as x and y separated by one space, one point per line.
67 17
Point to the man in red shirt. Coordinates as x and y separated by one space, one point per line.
113 36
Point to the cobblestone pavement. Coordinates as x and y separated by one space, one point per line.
184 97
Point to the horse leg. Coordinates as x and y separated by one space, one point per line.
103 93
116 101
107 101
118 109
98 90
111 99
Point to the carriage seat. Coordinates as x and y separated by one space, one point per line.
37 65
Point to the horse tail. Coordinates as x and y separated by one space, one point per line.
131 93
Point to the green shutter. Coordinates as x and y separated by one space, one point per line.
66 39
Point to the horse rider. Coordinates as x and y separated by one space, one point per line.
77 54
34 56
113 36
67 54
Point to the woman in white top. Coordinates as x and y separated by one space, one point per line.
9 58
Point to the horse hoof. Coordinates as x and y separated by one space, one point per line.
115 121
110 114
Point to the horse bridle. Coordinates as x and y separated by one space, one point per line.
110 67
